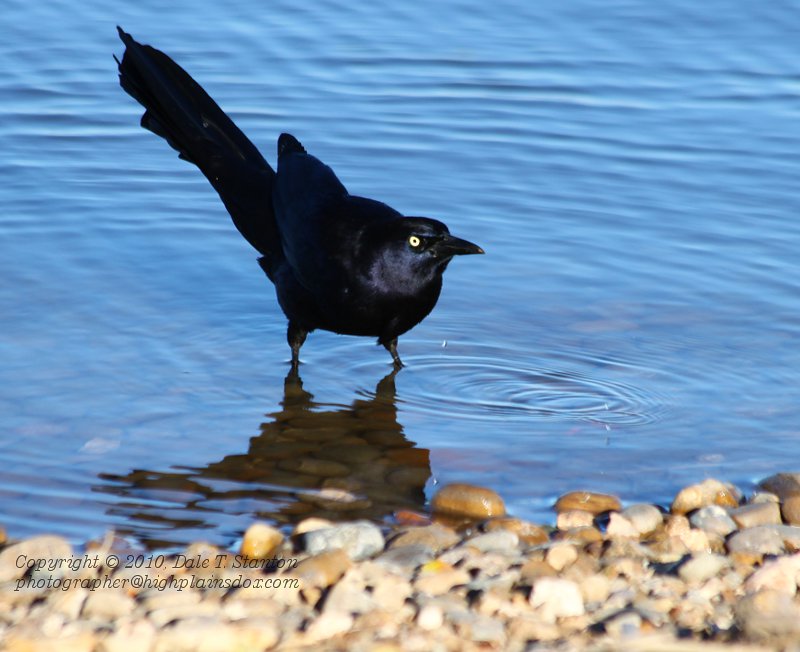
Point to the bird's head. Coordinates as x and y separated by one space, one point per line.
426 242
410 251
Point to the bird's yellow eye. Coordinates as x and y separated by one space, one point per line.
414 241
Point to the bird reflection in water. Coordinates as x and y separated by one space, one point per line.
310 459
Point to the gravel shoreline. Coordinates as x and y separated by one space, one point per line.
712 571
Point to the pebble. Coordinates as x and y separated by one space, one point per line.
322 569
790 509
360 540
45 547
702 566
713 519
588 501
528 533
619 526
260 541
436 537
782 485
644 518
469 501
560 555
647 582
767 513
708 492
763 539
557 598
497 541
574 518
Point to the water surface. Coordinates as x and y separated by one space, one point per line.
630 168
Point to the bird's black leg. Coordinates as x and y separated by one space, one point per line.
391 347
295 335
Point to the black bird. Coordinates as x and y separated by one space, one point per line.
339 262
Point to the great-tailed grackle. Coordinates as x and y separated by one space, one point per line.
339 262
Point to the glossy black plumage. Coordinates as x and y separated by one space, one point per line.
339 262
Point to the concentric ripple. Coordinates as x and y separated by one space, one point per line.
487 384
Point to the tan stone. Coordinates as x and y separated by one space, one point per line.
619 526
15 558
311 523
708 492
468 500
560 555
756 514
588 501
533 569
436 578
437 537
573 518
261 541
528 533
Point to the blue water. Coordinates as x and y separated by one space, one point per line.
631 170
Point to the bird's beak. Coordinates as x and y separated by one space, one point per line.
451 246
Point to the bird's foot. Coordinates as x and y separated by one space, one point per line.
391 347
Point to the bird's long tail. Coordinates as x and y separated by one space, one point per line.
183 114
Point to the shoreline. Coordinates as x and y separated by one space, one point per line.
712 572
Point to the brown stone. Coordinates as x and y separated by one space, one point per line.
323 569
468 500
782 485
533 569
790 509
437 537
588 501
708 492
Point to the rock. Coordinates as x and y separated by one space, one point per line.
311 523
626 624
497 541
644 518
359 539
619 526
676 525
108 605
560 555
323 569
469 501
528 533
781 574
391 592
764 497
556 598
767 615
708 492
713 519
436 537
534 569
581 535
790 509
702 566
782 485
15 559
196 634
762 539
430 617
328 625
437 578
260 541
587 501
130 635
595 588
349 595
573 518
403 558
756 514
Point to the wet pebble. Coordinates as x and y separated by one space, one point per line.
436 537
588 501
497 541
708 492
260 541
767 513
323 569
469 501
763 540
